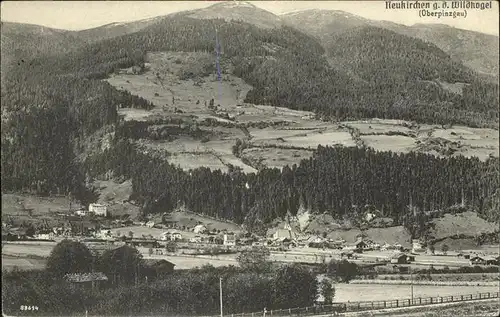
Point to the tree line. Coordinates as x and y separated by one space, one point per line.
186 292
340 181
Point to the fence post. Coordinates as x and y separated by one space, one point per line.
431 300
397 303
385 304
441 299
289 310
479 295
420 300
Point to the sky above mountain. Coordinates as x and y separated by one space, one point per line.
77 15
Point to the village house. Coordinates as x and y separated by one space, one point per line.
477 260
336 244
104 234
81 212
175 235
358 246
45 235
229 239
195 239
150 224
386 246
98 209
165 236
316 242
199 229
417 246
491 261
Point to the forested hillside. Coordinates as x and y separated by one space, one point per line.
340 181
402 77
51 104
476 50
21 42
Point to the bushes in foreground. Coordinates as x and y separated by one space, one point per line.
190 292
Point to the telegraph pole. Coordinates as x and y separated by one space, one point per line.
220 288
411 285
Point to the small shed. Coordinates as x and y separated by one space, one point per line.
154 268
399 258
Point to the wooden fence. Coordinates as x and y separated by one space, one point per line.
337 308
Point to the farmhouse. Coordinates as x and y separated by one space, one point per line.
98 209
175 235
357 246
417 246
314 240
165 236
90 280
45 235
195 239
491 261
200 229
476 260
229 239
81 212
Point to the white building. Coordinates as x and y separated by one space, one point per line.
150 224
81 212
417 246
98 209
200 229
196 239
165 236
175 235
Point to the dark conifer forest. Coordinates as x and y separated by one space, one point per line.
53 102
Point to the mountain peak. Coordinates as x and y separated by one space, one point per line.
238 11
234 4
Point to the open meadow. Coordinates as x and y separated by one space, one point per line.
181 85
380 292
473 309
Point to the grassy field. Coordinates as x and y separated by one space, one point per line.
395 143
467 223
165 85
18 205
374 292
472 309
